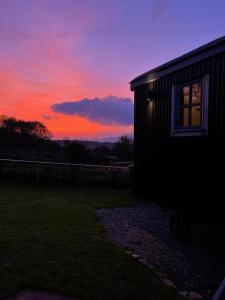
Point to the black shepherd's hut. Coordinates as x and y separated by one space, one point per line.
179 129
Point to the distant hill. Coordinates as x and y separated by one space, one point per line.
95 144
112 139
91 144
109 139
98 142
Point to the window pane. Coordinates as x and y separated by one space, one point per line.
184 117
196 93
196 115
185 95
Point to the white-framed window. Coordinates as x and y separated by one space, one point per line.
189 116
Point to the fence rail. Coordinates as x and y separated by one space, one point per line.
42 170
51 163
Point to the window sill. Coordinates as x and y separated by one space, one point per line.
190 132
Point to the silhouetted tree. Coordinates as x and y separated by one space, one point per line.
75 151
31 140
24 139
102 150
34 129
123 148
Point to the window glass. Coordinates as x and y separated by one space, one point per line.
185 95
196 115
184 117
189 106
196 93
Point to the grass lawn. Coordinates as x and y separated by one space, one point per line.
50 239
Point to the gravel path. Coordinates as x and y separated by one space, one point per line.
144 229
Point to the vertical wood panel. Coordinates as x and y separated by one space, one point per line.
152 132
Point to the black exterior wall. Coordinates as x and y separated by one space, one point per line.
166 166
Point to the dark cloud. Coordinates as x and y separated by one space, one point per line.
108 111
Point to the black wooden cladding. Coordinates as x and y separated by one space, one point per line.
163 159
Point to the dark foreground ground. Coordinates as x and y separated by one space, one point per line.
51 240
198 264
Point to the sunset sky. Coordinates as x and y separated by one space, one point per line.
67 63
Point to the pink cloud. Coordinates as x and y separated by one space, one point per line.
44 64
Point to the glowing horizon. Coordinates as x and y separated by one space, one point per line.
56 51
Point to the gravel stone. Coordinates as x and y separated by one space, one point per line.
135 256
196 265
169 283
194 296
184 294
